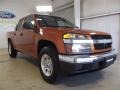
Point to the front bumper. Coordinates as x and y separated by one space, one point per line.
83 63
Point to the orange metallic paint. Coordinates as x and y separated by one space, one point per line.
28 41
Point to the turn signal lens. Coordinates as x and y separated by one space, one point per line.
67 36
74 36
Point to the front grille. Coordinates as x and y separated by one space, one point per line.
102 46
99 46
99 37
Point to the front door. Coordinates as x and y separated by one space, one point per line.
29 37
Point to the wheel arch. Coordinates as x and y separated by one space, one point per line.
43 43
9 39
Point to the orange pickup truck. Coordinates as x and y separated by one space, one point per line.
59 45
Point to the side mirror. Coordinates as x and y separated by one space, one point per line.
28 25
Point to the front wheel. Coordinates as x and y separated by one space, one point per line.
48 63
12 52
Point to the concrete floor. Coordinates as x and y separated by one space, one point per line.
23 74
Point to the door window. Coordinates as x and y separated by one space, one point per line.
19 25
30 22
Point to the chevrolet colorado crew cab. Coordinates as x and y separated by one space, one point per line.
59 45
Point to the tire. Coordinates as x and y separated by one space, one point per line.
12 52
50 71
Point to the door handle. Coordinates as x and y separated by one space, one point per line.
14 34
21 34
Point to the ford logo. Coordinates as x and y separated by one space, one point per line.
6 15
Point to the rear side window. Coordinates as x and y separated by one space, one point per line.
19 25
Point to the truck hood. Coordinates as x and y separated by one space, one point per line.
75 31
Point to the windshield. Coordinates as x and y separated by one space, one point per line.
52 21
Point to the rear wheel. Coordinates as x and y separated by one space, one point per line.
12 52
48 63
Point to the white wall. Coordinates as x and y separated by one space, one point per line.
95 7
64 9
77 12
59 3
110 24
66 13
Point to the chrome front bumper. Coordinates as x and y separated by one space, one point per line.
76 62
85 58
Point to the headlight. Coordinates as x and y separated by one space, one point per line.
77 44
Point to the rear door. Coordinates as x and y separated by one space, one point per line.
17 36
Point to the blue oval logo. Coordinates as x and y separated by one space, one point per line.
6 15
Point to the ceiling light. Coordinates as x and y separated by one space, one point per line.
44 8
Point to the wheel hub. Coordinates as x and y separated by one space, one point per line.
46 65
